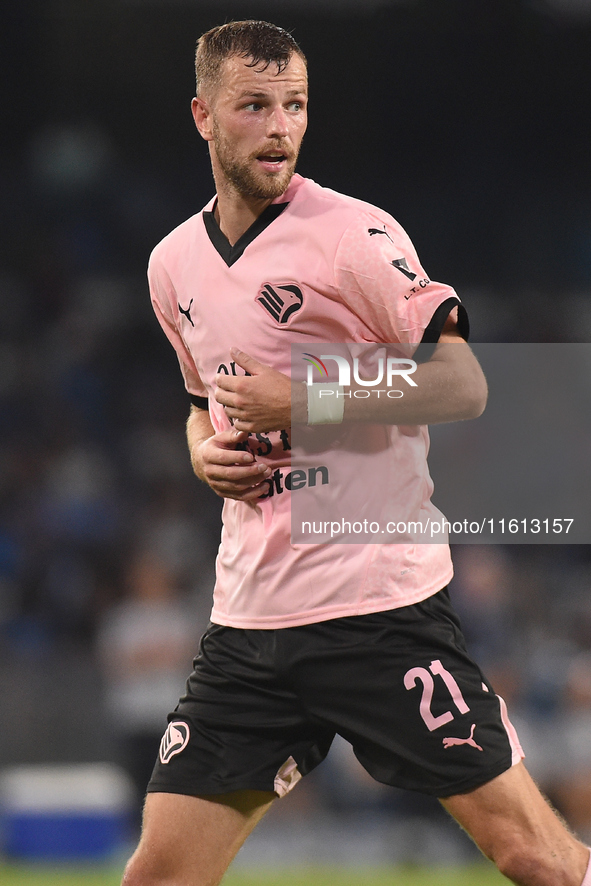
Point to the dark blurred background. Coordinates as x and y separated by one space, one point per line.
470 122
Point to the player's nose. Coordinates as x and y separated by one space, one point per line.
277 123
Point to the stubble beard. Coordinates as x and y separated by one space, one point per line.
241 175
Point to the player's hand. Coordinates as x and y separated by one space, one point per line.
231 473
258 402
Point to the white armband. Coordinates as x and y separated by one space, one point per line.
326 404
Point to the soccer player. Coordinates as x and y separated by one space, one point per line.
310 640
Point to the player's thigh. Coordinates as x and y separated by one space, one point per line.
509 816
191 840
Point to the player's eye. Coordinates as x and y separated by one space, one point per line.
295 106
252 106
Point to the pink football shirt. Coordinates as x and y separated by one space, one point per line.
317 266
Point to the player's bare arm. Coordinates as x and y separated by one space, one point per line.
450 387
230 472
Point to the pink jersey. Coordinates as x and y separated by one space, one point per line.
316 266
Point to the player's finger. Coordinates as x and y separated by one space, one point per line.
239 436
219 455
241 475
249 426
246 362
228 439
224 397
233 413
250 493
227 382
256 491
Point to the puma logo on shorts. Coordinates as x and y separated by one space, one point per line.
450 742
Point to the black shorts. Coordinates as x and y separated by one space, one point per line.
262 706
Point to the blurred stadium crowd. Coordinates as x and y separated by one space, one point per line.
107 540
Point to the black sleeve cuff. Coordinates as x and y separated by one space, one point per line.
199 402
434 329
439 319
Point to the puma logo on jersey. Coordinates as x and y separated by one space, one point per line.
402 265
450 742
187 312
281 302
373 231
174 740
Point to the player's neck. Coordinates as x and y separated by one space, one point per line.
235 213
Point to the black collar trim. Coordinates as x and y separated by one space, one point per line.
231 254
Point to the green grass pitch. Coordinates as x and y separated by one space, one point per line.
474 875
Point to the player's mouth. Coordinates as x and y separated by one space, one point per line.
273 161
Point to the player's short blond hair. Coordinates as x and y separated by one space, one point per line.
262 42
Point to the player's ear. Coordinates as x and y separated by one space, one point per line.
202 117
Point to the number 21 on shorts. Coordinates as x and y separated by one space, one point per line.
423 675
